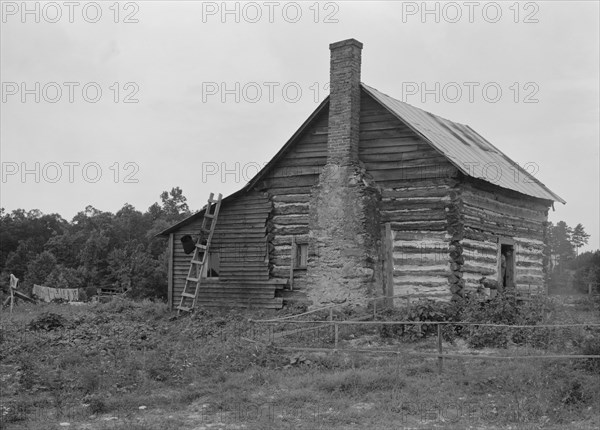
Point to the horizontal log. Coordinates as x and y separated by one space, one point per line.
296 181
414 204
440 237
286 240
276 283
287 172
204 294
400 216
378 147
279 191
242 278
311 141
488 202
299 162
504 230
384 123
290 209
275 304
388 133
399 176
291 229
403 156
430 225
418 162
292 198
311 151
290 219
374 115
503 195
499 218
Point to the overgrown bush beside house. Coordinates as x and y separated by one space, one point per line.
503 309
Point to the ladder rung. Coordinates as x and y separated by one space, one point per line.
200 246
196 262
209 215
193 279
184 308
190 295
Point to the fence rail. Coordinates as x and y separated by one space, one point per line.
302 335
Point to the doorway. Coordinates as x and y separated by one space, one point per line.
507 266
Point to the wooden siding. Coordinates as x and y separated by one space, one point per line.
392 153
489 214
416 182
240 238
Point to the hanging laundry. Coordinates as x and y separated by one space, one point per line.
48 294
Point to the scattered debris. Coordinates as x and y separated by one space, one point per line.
297 360
14 294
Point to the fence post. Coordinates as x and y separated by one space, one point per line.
335 331
439 341
374 309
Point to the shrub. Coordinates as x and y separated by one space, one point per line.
47 321
503 309
97 405
591 346
421 310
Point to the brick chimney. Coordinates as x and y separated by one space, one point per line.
344 228
344 102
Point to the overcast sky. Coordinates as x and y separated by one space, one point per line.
170 72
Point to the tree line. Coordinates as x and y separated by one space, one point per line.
98 248
568 268
94 249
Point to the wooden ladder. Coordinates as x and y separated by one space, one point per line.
200 256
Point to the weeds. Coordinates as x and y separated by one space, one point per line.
111 358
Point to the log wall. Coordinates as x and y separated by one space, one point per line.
415 182
492 213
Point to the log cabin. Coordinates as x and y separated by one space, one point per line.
371 197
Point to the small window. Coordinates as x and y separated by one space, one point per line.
212 266
301 255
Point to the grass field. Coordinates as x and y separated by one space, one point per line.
128 365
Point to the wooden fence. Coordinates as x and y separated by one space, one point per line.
292 333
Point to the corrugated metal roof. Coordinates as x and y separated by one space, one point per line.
466 149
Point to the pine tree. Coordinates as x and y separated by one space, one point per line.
561 242
579 237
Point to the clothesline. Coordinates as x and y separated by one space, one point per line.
48 294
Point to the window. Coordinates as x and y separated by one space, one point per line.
212 266
301 256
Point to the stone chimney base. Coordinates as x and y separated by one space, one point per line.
344 237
